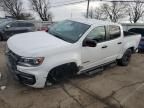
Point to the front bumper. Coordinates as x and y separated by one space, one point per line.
24 78
27 79
29 76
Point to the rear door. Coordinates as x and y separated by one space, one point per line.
23 27
114 41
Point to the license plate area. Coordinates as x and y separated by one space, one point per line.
12 60
12 63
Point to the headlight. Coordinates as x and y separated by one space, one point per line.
29 62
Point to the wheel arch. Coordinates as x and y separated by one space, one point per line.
69 64
61 72
132 49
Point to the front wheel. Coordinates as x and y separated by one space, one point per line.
124 61
61 73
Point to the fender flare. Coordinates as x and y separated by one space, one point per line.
59 60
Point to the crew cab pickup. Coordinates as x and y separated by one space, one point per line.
70 47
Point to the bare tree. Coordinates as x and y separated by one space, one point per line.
99 14
42 7
96 13
12 7
135 11
91 13
114 11
26 16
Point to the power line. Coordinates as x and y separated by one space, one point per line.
65 1
70 3
140 1
60 4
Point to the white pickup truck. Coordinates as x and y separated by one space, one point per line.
70 47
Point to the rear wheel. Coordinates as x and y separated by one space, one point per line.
124 61
0 38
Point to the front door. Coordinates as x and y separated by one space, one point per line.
12 29
93 56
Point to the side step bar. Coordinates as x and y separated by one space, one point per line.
97 69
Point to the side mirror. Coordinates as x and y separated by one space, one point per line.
89 43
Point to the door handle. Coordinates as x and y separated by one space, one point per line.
119 43
104 46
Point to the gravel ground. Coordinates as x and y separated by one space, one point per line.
116 87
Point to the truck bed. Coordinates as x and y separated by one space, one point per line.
131 39
126 34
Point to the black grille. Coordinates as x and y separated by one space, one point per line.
13 59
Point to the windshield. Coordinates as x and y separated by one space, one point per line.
69 31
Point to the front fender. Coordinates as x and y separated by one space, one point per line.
57 60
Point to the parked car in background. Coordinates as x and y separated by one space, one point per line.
139 31
45 27
10 27
70 47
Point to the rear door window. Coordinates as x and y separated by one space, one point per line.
25 24
114 31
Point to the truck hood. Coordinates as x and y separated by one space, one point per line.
33 43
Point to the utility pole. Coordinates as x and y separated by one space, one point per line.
88 8
71 14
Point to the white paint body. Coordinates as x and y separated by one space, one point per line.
57 52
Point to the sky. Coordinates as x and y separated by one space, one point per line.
71 11
64 12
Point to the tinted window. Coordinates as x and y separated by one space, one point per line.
69 31
137 30
114 31
97 34
16 24
4 23
29 25
22 24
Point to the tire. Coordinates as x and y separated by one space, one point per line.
62 72
124 61
139 51
0 38
54 77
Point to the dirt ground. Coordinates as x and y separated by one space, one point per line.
116 87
